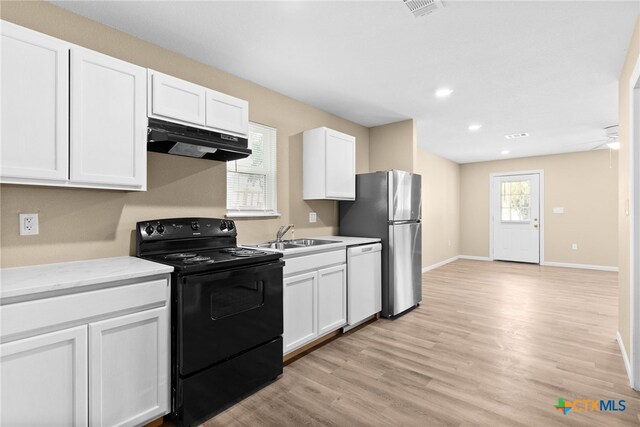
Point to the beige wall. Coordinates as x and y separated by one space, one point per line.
583 183
393 146
83 224
440 207
624 230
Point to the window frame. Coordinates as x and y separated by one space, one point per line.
252 213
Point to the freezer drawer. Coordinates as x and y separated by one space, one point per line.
364 289
404 286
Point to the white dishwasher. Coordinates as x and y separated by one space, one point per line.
364 289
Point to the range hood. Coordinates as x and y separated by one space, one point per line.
180 140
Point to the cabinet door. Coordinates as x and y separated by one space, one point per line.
332 299
35 105
109 121
176 99
44 380
129 372
227 113
300 316
340 166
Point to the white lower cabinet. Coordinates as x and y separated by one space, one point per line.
332 299
129 376
300 317
315 297
44 379
109 369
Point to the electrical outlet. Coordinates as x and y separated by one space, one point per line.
574 246
29 224
313 217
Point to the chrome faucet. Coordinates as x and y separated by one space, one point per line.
282 231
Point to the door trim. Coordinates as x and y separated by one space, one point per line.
634 225
540 172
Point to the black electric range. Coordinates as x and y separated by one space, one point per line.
226 313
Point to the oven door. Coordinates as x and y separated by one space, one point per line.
222 314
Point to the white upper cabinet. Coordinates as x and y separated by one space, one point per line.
70 116
35 105
227 113
329 165
175 99
108 120
179 101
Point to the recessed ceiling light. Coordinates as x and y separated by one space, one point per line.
474 127
517 135
444 92
503 152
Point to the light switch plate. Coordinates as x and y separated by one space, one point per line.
313 217
574 246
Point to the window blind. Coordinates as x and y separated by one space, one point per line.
251 182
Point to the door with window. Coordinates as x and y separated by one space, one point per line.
516 217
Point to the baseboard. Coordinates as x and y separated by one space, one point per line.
581 266
627 364
439 264
475 258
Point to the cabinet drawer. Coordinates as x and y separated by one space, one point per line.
313 261
22 319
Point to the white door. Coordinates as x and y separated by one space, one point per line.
516 217
300 316
340 174
129 372
35 105
176 99
108 119
227 113
332 298
44 380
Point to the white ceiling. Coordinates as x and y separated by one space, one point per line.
546 68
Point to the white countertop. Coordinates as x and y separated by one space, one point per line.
31 280
351 241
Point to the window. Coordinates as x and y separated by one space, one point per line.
251 182
515 201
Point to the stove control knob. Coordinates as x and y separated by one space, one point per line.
223 225
195 226
149 230
230 225
160 228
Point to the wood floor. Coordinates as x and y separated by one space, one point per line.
493 344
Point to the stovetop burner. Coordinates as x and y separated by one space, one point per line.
179 256
197 259
247 252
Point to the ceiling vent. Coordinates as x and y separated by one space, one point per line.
517 135
423 7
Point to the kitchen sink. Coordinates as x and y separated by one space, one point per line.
293 244
311 242
278 245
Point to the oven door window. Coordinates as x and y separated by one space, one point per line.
236 298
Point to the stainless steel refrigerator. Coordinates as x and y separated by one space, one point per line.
388 205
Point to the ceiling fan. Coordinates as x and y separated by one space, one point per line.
610 139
